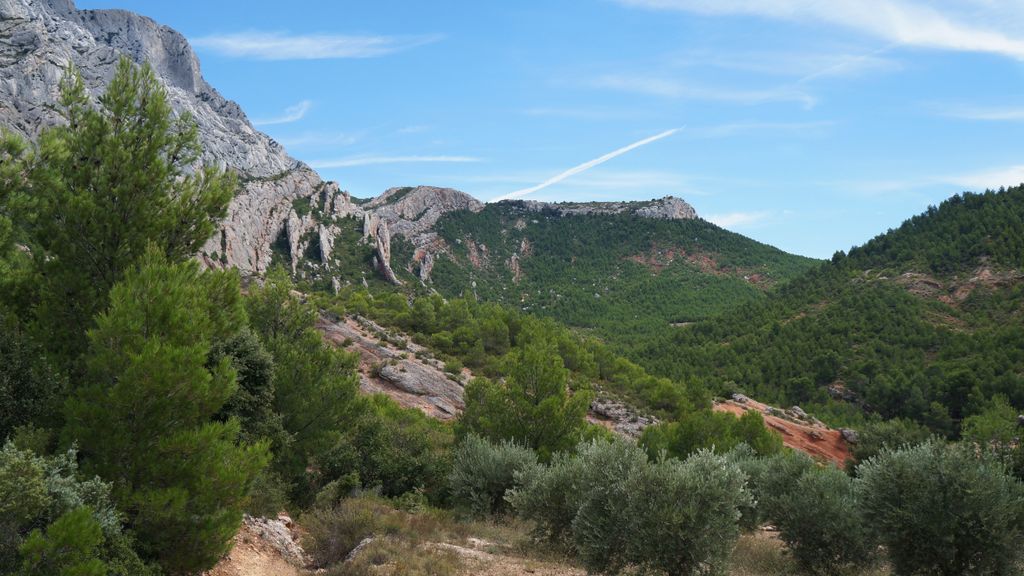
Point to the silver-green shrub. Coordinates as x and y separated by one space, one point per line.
482 472
819 519
682 516
944 510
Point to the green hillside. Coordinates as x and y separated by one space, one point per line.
620 274
924 322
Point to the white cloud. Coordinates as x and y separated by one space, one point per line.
673 88
281 46
586 165
370 160
291 114
976 181
941 24
990 179
738 219
835 61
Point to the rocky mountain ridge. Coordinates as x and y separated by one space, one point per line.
39 39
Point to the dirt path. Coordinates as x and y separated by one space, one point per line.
254 555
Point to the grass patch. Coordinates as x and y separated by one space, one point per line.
763 554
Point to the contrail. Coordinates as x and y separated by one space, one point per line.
585 166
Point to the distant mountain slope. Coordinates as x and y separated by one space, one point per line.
623 268
925 321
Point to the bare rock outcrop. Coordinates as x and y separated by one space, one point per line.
620 418
383 256
411 212
409 376
667 208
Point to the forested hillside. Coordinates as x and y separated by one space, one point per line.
923 322
622 274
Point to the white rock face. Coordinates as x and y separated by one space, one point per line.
39 38
412 212
667 208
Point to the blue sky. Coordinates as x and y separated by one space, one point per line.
811 125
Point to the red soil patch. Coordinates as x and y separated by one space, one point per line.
814 439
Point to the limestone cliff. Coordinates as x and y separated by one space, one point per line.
667 208
40 38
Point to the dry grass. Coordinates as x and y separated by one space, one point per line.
763 554
414 543
390 556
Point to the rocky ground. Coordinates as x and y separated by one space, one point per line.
270 548
391 363
263 547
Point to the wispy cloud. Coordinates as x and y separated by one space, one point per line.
311 139
974 181
282 46
738 219
580 113
939 24
989 179
833 61
414 129
1009 114
587 165
291 114
733 128
674 88
370 160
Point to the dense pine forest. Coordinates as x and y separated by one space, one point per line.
923 322
621 275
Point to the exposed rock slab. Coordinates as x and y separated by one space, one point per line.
415 382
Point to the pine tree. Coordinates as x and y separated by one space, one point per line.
314 384
533 406
102 187
144 419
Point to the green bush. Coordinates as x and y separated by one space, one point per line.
37 491
770 483
706 429
483 472
820 521
614 508
682 515
876 435
549 496
334 532
331 534
944 510
69 547
754 468
600 531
